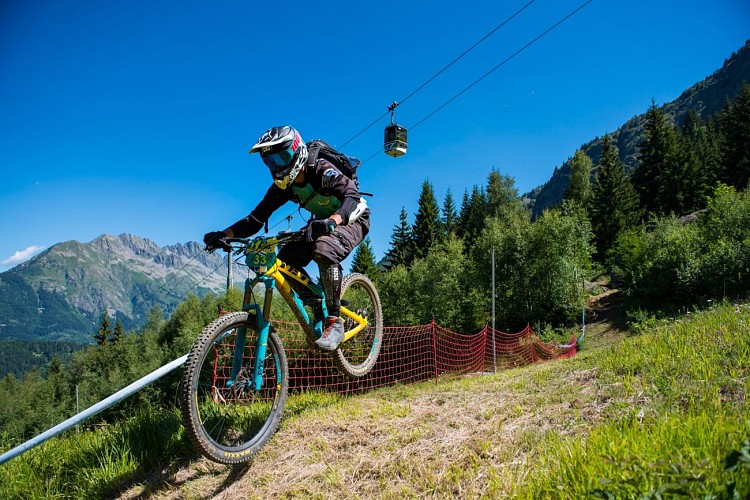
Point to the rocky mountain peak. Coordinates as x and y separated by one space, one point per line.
62 292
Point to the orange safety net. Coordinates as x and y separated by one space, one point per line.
416 353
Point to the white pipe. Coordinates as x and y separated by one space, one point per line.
93 410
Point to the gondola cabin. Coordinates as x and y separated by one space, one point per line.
395 140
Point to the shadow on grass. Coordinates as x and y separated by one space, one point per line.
167 459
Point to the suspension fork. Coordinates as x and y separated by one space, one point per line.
263 317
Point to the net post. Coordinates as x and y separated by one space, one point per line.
494 350
434 348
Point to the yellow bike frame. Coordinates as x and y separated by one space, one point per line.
278 276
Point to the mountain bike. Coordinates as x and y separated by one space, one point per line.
236 376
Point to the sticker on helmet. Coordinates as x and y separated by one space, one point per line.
329 177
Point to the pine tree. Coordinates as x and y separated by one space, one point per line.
700 160
103 333
472 217
463 222
450 216
658 179
502 196
426 231
364 260
735 127
118 333
614 202
579 185
401 252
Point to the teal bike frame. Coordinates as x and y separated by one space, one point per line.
259 253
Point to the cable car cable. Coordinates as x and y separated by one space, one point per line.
558 23
468 50
442 70
536 39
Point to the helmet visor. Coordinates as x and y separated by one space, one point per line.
279 160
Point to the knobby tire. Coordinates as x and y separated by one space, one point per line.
358 355
230 423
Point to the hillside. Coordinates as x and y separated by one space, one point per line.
609 419
61 293
706 97
20 356
653 412
659 410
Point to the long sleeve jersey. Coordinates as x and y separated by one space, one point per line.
326 191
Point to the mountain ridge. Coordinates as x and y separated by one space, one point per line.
706 97
61 293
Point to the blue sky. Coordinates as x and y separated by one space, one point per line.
134 116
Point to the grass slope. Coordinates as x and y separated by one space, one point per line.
661 412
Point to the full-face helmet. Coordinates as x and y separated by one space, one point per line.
284 153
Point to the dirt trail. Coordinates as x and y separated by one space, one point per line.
377 447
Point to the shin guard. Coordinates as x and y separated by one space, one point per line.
330 276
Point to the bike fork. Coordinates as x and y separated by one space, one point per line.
259 359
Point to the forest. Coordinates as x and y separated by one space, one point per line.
672 236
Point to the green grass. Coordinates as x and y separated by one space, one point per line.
95 463
662 412
668 454
680 406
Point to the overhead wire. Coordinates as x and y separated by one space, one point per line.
488 73
506 60
506 21
178 277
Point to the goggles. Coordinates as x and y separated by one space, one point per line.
279 160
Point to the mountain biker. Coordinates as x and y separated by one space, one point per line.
340 220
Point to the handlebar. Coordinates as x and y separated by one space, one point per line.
241 243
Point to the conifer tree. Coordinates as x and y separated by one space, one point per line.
461 230
103 333
450 216
614 203
364 260
426 231
472 217
401 252
579 184
658 179
502 196
700 160
735 126
118 332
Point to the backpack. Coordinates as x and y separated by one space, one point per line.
347 165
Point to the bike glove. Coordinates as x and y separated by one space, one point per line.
214 240
320 227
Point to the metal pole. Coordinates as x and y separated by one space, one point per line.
581 297
93 410
494 351
229 270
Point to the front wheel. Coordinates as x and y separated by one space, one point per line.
226 418
358 355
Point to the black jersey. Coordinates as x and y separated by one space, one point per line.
326 192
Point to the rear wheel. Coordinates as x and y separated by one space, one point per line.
358 355
229 421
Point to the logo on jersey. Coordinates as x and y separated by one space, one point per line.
329 177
